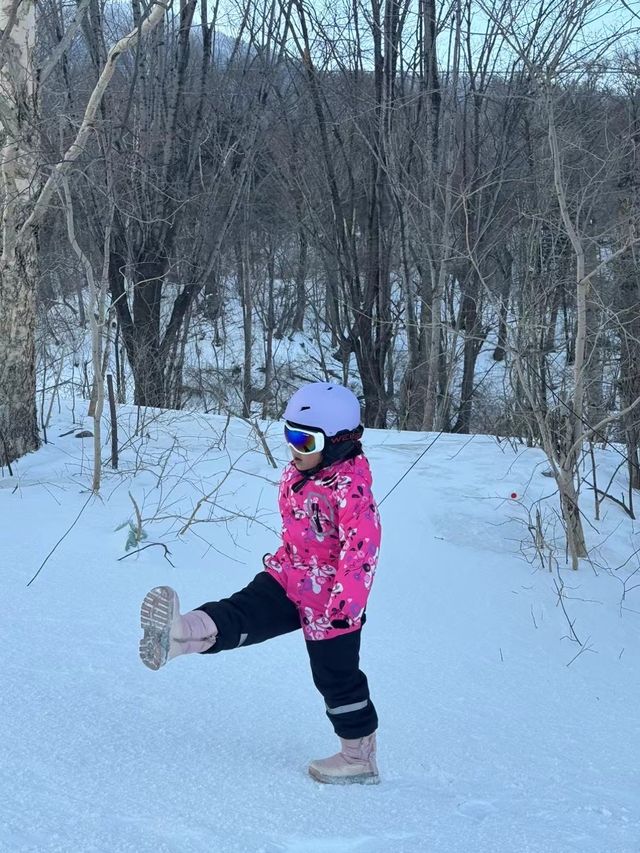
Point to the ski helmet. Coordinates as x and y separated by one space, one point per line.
326 406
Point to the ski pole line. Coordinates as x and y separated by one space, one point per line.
548 388
582 420
429 446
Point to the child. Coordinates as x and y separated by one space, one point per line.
318 579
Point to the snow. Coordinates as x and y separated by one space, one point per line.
498 732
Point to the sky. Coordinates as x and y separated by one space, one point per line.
606 17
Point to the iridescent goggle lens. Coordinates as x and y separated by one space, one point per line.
303 440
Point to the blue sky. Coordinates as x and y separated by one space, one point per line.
605 17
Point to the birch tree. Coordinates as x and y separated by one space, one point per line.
25 206
19 262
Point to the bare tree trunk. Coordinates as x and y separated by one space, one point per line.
98 319
24 209
629 333
114 423
473 340
148 365
411 396
550 332
594 362
301 277
82 316
19 271
18 419
269 331
506 271
568 469
441 234
246 298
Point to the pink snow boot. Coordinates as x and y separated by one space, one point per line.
356 762
167 634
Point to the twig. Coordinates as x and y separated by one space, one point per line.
583 649
569 622
620 503
44 562
263 441
207 498
167 552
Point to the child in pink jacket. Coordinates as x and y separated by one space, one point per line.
319 578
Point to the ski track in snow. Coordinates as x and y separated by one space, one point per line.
489 741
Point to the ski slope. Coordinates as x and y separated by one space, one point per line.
499 732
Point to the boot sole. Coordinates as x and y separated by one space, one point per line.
359 779
156 615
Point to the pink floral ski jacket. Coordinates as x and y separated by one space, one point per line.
330 544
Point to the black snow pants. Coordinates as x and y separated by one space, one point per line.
261 611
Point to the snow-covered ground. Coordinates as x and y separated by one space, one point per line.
499 732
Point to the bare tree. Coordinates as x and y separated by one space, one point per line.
24 209
19 264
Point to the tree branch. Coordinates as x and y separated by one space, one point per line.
64 44
77 147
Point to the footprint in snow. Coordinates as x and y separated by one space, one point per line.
476 809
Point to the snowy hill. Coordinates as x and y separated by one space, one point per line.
500 733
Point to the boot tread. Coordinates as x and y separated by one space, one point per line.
156 615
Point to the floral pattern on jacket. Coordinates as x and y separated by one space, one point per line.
330 545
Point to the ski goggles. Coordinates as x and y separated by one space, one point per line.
304 440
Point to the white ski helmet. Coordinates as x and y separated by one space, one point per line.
326 406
